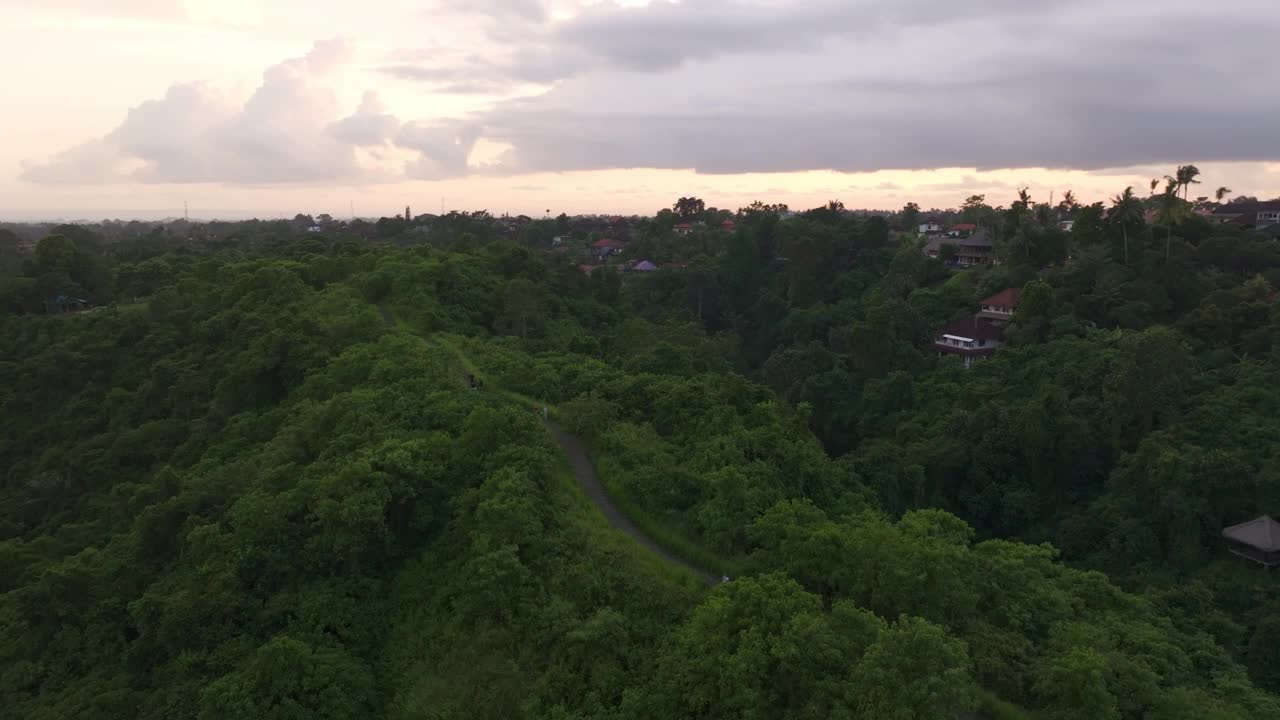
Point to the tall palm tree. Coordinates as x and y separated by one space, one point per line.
1155 183
1186 177
1222 192
1068 204
1171 210
1126 209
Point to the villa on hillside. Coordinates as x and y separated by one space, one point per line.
603 249
1257 540
1000 307
683 229
932 226
1249 213
970 339
976 249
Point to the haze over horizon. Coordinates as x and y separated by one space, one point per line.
257 109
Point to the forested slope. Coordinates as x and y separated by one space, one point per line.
245 495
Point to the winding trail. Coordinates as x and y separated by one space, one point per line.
585 473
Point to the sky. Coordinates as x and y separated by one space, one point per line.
243 108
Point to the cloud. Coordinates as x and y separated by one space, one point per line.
730 87
443 148
370 125
529 10
134 8
744 86
193 134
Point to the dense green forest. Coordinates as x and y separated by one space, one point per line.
254 482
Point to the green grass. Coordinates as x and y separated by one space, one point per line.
449 344
577 508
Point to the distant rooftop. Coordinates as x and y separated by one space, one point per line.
1262 533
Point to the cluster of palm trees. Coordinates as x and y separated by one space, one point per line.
1128 209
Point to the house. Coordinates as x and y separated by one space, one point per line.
932 226
1000 307
728 225
970 339
1257 540
66 303
588 269
1066 225
644 266
315 229
976 249
1249 213
603 249
962 230
683 229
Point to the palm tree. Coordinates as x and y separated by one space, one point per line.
1171 210
1222 192
1186 177
1069 204
1126 209
1155 183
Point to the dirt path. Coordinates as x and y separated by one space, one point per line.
585 474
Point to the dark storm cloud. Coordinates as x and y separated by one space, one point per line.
727 87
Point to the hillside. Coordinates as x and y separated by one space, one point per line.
242 492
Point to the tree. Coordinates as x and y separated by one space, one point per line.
1034 312
589 415
689 207
1264 653
56 253
974 209
910 217
1126 210
523 306
1186 177
1172 209
288 679
914 671
1069 205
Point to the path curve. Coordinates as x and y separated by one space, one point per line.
585 473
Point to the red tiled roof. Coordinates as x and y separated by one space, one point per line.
965 226
606 243
684 226
1004 298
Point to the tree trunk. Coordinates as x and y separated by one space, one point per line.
1126 244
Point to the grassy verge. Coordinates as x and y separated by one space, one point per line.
669 538
471 368
576 507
